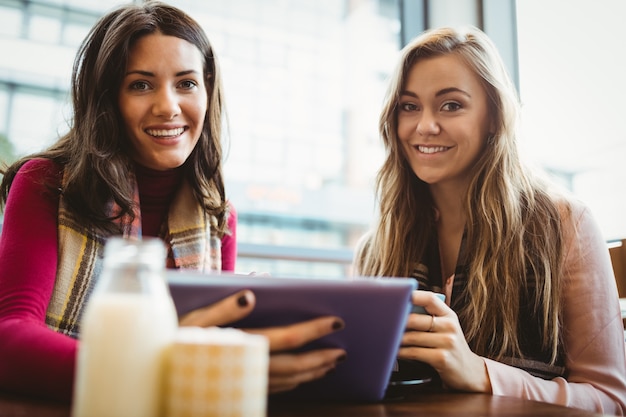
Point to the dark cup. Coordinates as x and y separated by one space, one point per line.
410 377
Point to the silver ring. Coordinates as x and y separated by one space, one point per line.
432 324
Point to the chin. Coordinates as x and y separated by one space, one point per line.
430 180
172 163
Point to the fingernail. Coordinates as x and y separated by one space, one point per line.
242 301
337 324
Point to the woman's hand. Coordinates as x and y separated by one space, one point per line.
228 310
437 339
286 370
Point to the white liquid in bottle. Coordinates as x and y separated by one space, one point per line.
127 328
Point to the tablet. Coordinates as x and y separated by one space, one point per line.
375 311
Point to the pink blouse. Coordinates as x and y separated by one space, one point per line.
36 360
593 331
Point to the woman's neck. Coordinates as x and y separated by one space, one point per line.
157 190
450 225
448 202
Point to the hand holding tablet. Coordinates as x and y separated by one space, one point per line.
374 311
408 373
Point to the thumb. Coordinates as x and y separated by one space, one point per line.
228 310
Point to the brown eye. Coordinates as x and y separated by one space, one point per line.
451 106
139 86
188 84
408 107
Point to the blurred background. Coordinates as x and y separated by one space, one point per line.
304 82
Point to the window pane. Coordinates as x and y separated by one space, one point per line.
44 29
572 87
10 21
4 109
28 136
73 34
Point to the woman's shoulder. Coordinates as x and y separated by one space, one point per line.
571 208
578 223
41 168
361 250
363 242
37 174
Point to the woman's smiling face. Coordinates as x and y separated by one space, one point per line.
443 119
163 100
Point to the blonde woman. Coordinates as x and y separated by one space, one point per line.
531 304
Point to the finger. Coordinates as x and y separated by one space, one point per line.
287 371
299 334
225 311
286 364
423 354
420 339
430 301
423 322
289 382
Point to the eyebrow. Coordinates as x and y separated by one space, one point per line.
151 74
438 93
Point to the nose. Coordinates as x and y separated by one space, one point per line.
166 104
427 124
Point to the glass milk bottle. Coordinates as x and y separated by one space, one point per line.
127 328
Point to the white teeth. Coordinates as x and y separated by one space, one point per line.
165 132
431 149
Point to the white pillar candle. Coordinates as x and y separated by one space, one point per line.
217 372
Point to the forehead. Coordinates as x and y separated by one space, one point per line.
429 75
164 50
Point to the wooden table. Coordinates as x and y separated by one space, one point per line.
426 404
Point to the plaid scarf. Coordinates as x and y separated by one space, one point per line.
80 251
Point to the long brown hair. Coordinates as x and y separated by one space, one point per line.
94 153
513 236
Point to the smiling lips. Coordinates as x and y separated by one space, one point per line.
431 149
164 133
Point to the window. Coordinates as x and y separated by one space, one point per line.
572 87
304 82
10 21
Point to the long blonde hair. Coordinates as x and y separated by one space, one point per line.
513 236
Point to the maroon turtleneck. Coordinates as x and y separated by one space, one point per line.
157 189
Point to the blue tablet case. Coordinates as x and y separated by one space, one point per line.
375 311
